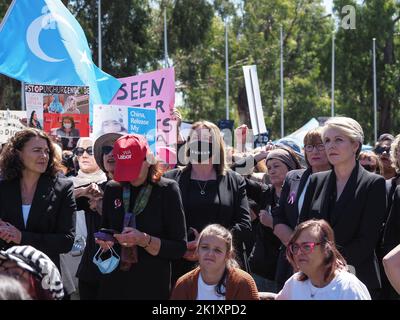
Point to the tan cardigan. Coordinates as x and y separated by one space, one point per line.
239 286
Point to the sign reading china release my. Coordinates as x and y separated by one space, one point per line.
152 90
143 121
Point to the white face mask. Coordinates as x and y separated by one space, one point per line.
67 125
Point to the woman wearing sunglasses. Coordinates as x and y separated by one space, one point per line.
321 270
351 199
89 173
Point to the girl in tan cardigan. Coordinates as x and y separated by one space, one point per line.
218 276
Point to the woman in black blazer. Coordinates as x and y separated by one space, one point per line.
286 214
211 193
36 205
350 198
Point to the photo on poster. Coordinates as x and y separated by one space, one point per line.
34 110
109 119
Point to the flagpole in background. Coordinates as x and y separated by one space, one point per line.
165 39
23 107
282 118
375 103
333 76
99 34
226 71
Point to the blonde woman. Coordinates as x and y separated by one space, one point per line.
218 276
211 193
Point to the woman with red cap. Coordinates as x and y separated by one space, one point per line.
144 226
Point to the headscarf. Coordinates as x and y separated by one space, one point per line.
284 156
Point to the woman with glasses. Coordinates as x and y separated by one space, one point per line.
382 150
36 204
286 215
351 199
89 173
321 270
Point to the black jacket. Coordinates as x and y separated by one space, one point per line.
150 277
50 226
356 217
233 214
391 235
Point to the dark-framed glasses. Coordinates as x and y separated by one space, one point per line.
304 247
381 150
106 149
80 151
310 147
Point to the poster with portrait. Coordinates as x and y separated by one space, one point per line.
122 119
61 111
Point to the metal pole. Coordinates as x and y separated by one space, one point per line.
375 108
165 39
23 96
333 77
226 71
282 118
99 33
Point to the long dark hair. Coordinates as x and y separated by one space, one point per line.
11 165
333 259
31 124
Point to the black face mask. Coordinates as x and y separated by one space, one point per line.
369 168
200 151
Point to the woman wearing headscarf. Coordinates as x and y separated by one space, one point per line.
286 214
351 199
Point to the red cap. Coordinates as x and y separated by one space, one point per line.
129 153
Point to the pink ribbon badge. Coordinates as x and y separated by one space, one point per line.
117 203
291 197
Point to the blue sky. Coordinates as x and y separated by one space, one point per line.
328 5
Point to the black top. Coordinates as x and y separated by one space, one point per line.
356 217
49 226
163 217
87 270
391 235
227 206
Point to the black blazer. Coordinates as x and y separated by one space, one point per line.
356 218
391 235
287 211
150 277
50 226
234 209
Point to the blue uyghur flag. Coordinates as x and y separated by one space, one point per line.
41 42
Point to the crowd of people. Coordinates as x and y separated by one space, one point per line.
111 220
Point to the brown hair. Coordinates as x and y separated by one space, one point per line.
11 165
155 172
366 154
218 145
312 137
394 149
333 259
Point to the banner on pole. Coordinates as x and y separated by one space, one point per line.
254 99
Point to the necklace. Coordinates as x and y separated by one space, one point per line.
313 293
202 189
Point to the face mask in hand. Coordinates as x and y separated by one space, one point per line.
200 151
108 265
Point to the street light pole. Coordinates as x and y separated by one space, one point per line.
226 71
375 103
333 76
99 33
282 115
165 39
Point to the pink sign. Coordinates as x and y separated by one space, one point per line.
151 90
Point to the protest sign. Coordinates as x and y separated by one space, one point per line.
62 111
152 90
122 119
10 123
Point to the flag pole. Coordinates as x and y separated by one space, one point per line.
23 95
333 77
99 34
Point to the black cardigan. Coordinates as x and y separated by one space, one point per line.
163 217
356 218
50 225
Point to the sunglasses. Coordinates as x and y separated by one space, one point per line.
381 150
106 149
304 247
80 151
310 147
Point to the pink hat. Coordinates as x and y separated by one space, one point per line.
129 153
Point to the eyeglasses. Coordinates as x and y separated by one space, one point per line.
381 150
310 147
106 149
80 151
304 247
